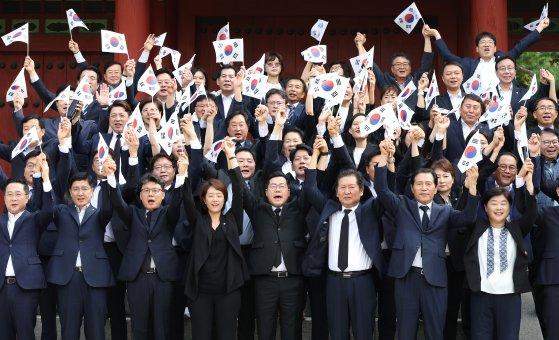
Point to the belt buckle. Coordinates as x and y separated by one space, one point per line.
79 269
422 272
346 275
10 280
283 274
150 271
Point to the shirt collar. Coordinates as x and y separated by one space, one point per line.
12 217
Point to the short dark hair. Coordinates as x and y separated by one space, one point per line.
271 55
503 58
236 113
227 67
475 98
245 149
424 171
279 92
210 98
299 147
295 129
158 157
201 70
32 154
534 106
389 88
550 130
120 103
348 71
401 54
63 87
31 117
288 79
496 191
112 63
453 63
489 35
20 181
157 103
164 70
149 177
275 174
443 164
351 172
506 153
80 176
212 183
90 68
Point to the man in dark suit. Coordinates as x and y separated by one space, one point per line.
452 77
544 111
150 265
21 273
347 241
79 265
486 47
418 252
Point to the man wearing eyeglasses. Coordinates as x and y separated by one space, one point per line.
545 113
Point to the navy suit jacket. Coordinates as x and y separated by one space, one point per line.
85 237
456 142
469 65
518 92
22 246
367 215
548 221
410 236
49 147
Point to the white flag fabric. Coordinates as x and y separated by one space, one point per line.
474 84
148 82
472 154
118 93
137 123
390 124
408 18
227 51
433 90
175 55
532 90
532 26
363 61
83 91
64 95
407 91
331 87
74 20
180 70
223 33
375 119
113 42
102 152
318 29
200 91
315 54
522 143
18 86
160 39
254 85
360 81
405 114
258 67
169 132
215 150
19 34
23 144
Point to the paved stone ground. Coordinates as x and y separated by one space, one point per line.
529 328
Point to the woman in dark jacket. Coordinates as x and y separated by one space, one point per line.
216 268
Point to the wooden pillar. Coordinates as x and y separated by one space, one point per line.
133 20
490 16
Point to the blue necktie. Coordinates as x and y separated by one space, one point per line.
503 249
490 252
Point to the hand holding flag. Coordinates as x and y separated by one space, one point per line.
472 154
25 142
532 90
433 90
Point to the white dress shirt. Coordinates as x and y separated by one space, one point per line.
497 282
11 224
227 100
418 260
281 267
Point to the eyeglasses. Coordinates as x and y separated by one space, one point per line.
275 187
164 82
153 191
507 68
17 194
273 64
276 103
30 166
504 167
163 167
398 65
78 189
118 115
546 108
549 142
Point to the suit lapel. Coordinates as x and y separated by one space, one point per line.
4 226
74 213
89 211
18 223
435 211
412 204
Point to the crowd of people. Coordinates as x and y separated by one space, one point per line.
376 231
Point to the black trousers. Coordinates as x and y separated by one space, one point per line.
495 316
283 295
18 311
316 288
456 299
214 316
47 306
246 325
116 295
386 304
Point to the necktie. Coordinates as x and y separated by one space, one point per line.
146 265
290 109
503 249
117 155
238 145
425 218
277 261
344 241
490 252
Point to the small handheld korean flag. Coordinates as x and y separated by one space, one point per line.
83 91
363 61
168 133
179 71
433 90
200 91
360 81
215 150
318 29
474 85
254 85
315 54
407 91
258 67
19 34
522 143
148 82
113 42
137 123
18 86
408 18
175 55
23 144
223 33
64 95
74 21
375 119
390 124
532 26
102 152
227 51
532 90
160 39
472 154
331 87
405 114
118 93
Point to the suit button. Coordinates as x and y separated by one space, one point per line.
149 241
275 241
279 229
10 245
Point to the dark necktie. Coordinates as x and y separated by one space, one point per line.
425 218
344 241
116 149
277 261
290 109
146 265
